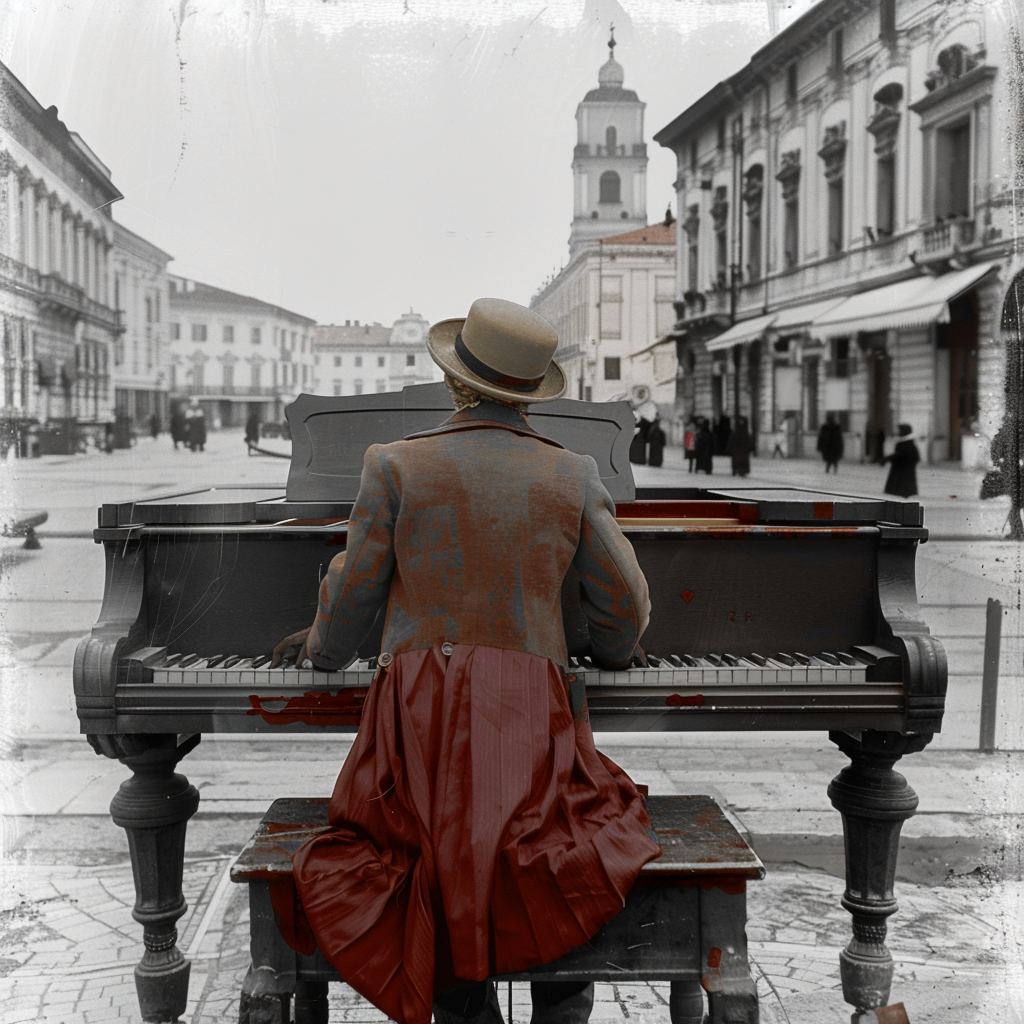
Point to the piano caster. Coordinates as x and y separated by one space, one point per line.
874 801
686 1003
153 807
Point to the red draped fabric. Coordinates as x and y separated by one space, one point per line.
475 830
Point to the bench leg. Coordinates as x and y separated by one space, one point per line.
874 801
268 987
732 994
153 807
686 1003
311 1001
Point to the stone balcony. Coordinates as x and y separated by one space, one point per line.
946 240
236 391
60 296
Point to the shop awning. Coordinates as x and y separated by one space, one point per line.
746 330
914 303
796 317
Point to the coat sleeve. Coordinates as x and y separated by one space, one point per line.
358 581
613 591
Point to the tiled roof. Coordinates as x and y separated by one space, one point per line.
366 335
206 297
653 234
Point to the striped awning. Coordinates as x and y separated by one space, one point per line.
914 303
745 330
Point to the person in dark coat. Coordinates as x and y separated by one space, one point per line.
688 440
178 426
722 431
740 445
195 427
902 479
154 426
638 446
252 428
704 447
464 842
656 439
830 443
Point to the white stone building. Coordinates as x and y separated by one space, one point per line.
362 359
846 203
236 354
142 295
57 316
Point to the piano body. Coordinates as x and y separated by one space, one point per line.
771 610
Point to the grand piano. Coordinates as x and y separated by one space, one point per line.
773 609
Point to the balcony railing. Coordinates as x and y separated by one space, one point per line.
948 236
233 391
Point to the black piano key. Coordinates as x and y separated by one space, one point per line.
653 661
828 657
371 664
757 659
173 660
730 659
260 661
803 659
714 659
189 659
846 659
574 663
675 661
231 660
215 661
784 659
690 661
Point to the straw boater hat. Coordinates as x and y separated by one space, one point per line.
500 349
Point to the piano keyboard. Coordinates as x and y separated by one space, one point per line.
673 672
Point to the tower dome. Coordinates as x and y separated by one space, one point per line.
611 74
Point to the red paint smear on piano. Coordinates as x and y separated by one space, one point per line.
314 707
677 700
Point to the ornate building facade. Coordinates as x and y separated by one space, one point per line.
236 354
361 359
59 322
846 201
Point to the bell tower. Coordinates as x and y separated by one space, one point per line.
609 164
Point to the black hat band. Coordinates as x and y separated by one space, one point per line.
481 369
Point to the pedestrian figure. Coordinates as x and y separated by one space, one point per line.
902 479
704 447
740 445
638 446
830 442
463 842
154 426
178 426
722 432
656 439
252 429
195 426
688 440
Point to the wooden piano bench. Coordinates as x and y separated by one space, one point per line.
684 920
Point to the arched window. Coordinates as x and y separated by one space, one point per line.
611 140
610 188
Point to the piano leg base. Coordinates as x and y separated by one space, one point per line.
874 801
686 1003
265 997
311 1005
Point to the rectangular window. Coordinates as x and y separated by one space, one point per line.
337 360
721 135
722 257
175 332
756 108
255 372
840 364
199 332
149 311
229 334
953 171
885 197
337 387
255 336
693 155
791 234
611 307
612 368
380 360
229 376
197 376
835 217
791 83
664 311
691 267
837 51
410 359
357 388
359 362
887 20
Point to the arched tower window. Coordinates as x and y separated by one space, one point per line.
610 188
611 140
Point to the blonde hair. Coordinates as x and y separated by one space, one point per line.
466 397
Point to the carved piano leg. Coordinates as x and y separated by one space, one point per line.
153 807
686 1003
874 801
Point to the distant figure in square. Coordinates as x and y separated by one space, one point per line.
830 442
252 428
195 427
178 426
704 447
688 441
740 445
656 439
902 478
154 426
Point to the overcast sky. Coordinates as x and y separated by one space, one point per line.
350 159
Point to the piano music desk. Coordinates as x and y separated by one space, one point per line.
684 920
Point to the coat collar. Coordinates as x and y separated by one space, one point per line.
486 416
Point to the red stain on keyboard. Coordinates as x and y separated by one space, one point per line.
677 700
687 596
315 707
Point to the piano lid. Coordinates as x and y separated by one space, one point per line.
330 435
